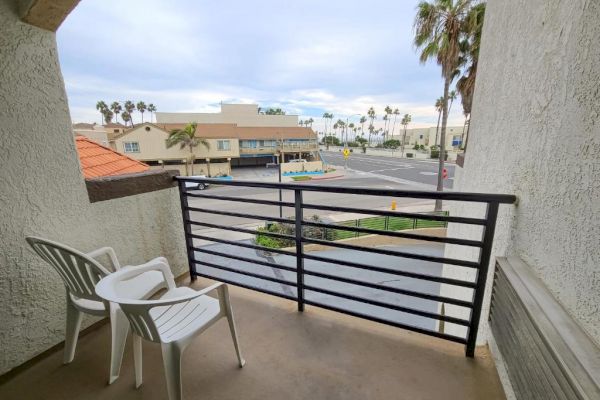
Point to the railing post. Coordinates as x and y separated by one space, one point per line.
484 261
187 228
299 248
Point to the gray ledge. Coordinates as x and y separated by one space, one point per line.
114 187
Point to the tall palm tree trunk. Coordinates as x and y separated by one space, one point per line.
192 159
442 154
437 130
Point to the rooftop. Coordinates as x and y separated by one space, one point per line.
317 354
97 160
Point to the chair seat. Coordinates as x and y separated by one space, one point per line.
181 320
139 287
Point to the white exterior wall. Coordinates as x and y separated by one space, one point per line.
240 114
42 192
536 133
98 136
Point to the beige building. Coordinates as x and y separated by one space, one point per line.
228 145
244 115
427 136
94 132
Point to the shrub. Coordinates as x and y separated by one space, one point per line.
289 229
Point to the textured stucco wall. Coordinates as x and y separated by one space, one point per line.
536 133
42 192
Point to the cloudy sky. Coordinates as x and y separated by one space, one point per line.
305 56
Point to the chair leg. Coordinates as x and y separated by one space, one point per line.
231 321
119 327
72 332
137 359
171 354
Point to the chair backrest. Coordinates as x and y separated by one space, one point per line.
79 272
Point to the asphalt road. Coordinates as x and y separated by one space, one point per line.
423 172
361 201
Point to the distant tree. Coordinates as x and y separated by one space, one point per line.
385 123
301 123
129 107
274 111
152 110
371 132
451 96
396 112
391 144
362 121
101 107
126 117
388 119
116 108
141 107
352 128
372 116
405 121
108 116
310 122
186 137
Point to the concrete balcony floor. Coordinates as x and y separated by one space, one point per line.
289 355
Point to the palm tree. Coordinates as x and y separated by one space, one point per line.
388 114
129 107
405 121
362 121
396 112
274 111
310 122
108 115
466 84
325 118
372 116
152 109
301 123
451 96
438 107
385 123
126 117
371 131
186 137
116 109
439 28
141 107
352 128
101 106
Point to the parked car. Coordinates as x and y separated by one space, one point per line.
196 185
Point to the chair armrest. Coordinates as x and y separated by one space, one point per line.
156 264
149 304
110 253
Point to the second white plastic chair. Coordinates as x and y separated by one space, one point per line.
173 321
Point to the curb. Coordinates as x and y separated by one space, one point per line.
327 177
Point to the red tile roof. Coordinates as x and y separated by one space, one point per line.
97 160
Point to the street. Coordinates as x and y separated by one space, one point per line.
405 170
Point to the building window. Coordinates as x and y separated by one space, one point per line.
223 145
248 144
131 147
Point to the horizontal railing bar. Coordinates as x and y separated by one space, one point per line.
240 244
425 314
368 317
245 286
243 230
245 259
411 293
241 199
394 253
241 215
428 217
414 275
415 194
241 272
439 239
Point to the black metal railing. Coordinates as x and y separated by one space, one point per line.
300 282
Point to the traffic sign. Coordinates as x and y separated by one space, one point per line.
346 153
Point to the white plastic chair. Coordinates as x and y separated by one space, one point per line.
80 273
173 321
